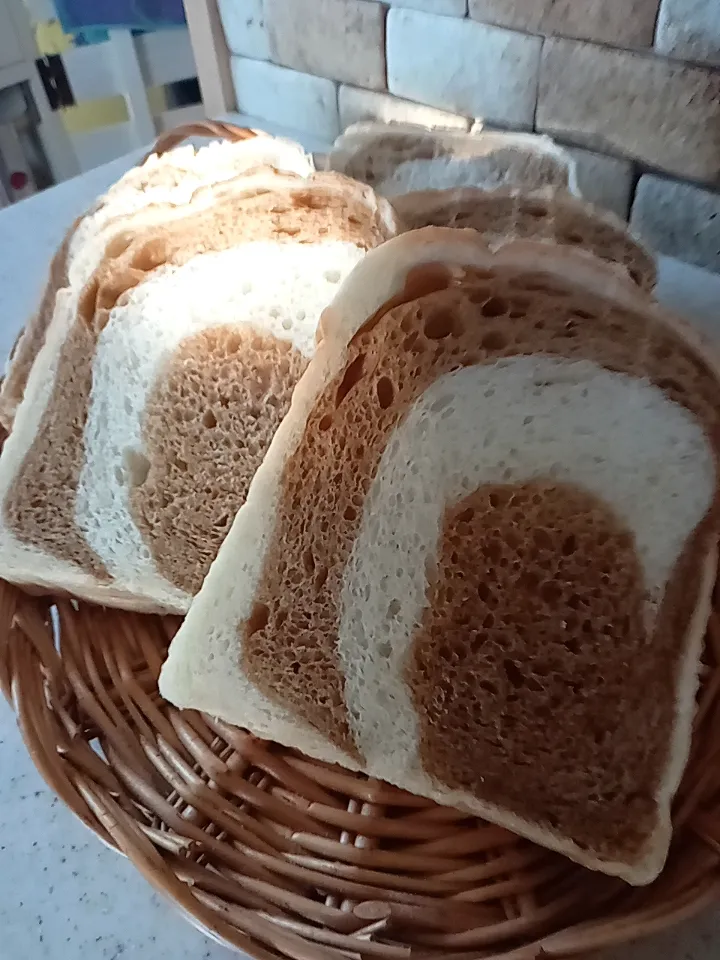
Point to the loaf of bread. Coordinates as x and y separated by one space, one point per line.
161 380
477 559
551 215
153 192
397 158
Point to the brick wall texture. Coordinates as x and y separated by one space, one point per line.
632 86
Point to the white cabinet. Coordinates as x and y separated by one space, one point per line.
18 53
10 51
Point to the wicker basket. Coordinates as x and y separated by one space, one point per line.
281 856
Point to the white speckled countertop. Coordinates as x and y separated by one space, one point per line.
63 895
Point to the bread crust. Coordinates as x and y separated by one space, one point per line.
54 553
548 215
371 151
203 670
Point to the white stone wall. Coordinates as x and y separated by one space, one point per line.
633 86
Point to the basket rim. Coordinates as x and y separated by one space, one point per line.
238 832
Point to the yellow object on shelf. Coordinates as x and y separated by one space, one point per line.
51 39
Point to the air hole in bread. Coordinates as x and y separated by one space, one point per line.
258 619
494 340
513 674
569 545
572 237
440 324
209 420
494 307
325 422
484 591
385 392
137 466
320 578
352 376
412 342
550 591
478 294
537 210
520 302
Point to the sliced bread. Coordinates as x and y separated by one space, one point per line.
152 192
553 216
162 380
397 158
477 559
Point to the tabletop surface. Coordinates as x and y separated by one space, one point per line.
63 895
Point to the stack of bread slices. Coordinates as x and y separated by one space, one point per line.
179 314
506 186
463 480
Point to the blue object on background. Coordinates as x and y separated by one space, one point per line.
84 16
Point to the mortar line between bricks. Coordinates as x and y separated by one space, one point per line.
558 35
648 52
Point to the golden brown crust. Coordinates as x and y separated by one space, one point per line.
472 317
40 504
32 338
